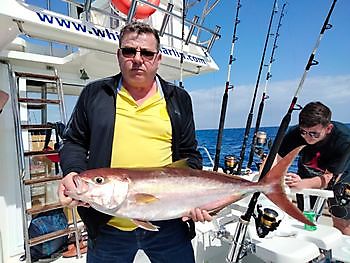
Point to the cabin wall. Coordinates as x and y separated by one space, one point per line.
11 231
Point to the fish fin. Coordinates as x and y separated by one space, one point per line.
179 164
145 225
274 178
145 198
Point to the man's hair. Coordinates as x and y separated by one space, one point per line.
139 28
315 113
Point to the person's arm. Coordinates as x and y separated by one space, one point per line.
293 180
335 167
75 145
340 159
187 142
73 152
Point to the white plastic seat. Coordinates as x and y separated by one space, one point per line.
322 196
325 237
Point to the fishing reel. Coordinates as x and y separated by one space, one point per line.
261 142
265 221
261 139
231 163
344 194
339 204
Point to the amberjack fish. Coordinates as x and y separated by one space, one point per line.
151 194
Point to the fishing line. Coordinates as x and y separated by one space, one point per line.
264 94
241 230
228 86
250 115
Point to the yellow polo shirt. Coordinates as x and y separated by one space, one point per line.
142 138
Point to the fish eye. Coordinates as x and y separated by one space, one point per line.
99 180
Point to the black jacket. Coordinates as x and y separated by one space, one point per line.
88 138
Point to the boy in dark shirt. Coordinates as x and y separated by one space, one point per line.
325 160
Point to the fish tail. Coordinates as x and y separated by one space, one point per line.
274 180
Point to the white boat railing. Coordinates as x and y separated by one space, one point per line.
207 155
167 13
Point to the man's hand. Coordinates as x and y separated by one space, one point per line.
294 181
67 184
198 215
318 182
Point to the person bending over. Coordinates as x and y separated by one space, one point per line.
324 161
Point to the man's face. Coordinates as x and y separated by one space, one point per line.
315 133
138 58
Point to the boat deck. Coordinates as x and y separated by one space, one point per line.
140 258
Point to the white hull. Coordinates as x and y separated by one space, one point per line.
97 42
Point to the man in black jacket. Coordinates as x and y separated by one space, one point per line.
133 119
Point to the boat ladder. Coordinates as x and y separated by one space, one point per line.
35 160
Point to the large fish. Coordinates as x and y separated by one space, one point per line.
151 194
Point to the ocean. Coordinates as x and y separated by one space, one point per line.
232 140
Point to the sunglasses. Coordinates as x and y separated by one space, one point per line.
130 52
312 134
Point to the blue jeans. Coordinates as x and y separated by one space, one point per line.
171 244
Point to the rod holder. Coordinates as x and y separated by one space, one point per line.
213 38
190 33
132 11
237 243
87 8
166 19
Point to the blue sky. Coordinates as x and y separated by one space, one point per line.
328 82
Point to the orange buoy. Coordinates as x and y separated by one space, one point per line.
142 11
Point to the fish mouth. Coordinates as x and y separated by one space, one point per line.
81 185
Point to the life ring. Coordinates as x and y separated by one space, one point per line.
142 11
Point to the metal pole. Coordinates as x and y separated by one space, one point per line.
182 42
227 87
250 115
264 95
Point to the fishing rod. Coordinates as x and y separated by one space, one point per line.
250 115
264 95
241 230
182 42
228 86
